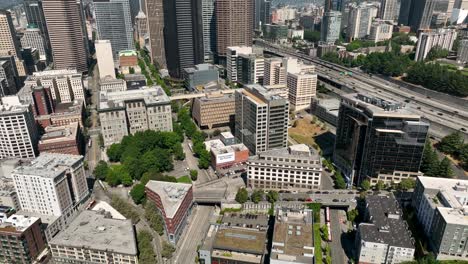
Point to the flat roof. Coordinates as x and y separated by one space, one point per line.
454 216
240 240
102 206
172 194
379 106
293 236
300 151
91 229
153 95
59 133
17 223
48 165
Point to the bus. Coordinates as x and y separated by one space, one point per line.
327 214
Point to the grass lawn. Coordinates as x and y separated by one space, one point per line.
454 68
304 131
317 244
184 179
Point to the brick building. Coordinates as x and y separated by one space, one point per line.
66 139
174 201
22 239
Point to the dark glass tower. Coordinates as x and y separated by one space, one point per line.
35 15
375 136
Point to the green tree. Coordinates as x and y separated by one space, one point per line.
114 152
101 170
312 36
452 143
242 196
272 196
179 152
340 182
445 168
217 132
257 196
193 175
204 159
167 250
151 175
112 178
407 184
365 185
154 218
380 185
134 166
145 247
352 214
464 154
138 193
126 179
436 53
131 70
429 158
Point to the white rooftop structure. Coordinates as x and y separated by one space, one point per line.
20 222
227 135
153 95
171 194
213 144
48 165
102 206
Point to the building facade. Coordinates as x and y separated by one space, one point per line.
462 54
35 16
232 58
8 73
114 24
112 85
209 29
34 38
261 119
22 239
62 139
381 30
234 20
420 14
302 87
294 168
174 201
9 43
67 34
441 38
127 112
331 25
250 68
105 58
18 132
155 14
200 75
326 109
377 138
388 10
214 110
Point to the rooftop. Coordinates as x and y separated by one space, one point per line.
216 97
386 225
153 95
102 206
55 73
454 216
11 105
378 106
172 194
259 94
329 104
253 221
128 52
48 165
17 223
299 151
240 240
59 133
293 236
91 229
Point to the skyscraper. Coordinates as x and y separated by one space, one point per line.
261 120
336 5
378 139
35 16
67 33
155 14
183 35
114 23
234 20
8 73
141 28
331 24
420 14
209 28
35 39
441 38
388 9
262 13
9 44
359 21
403 16
17 129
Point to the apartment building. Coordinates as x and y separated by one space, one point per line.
378 139
18 131
441 38
214 110
295 167
302 87
96 238
66 139
384 237
174 201
127 112
65 85
442 210
261 119
381 30
22 239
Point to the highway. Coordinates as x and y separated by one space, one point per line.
444 117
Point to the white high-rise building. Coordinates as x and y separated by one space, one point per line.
18 132
442 38
381 30
388 10
65 85
277 68
462 54
104 58
360 20
302 86
33 38
52 184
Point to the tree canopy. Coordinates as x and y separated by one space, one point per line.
242 196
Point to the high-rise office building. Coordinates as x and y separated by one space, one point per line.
261 120
302 86
209 28
359 21
250 68
234 20
276 70
404 13
67 34
377 139
420 14
331 25
9 44
183 35
35 16
441 38
104 57
262 13
114 23
336 5
35 39
135 8
388 10
141 28
18 130
155 14
232 56
8 73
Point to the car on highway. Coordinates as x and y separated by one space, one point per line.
440 114
463 129
350 192
335 200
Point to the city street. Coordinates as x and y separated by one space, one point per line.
192 162
194 233
337 252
